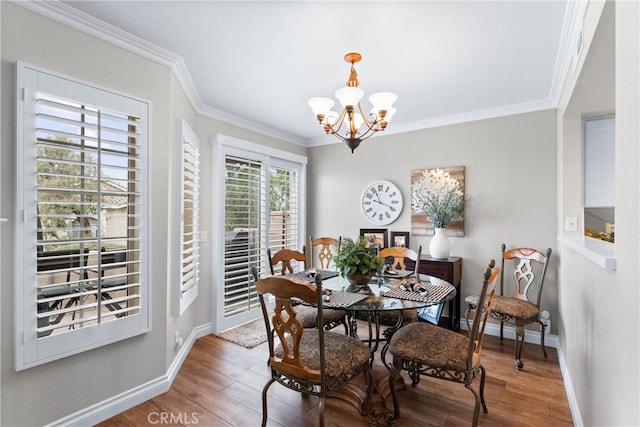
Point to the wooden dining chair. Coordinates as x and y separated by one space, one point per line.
321 251
398 254
425 349
395 257
306 314
311 361
530 268
285 257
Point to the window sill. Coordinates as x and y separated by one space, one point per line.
598 251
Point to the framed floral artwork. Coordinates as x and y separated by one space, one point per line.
440 186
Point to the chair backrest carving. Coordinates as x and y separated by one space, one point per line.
524 274
399 255
285 256
481 314
325 252
287 328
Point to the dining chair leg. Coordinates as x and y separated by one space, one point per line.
519 346
264 401
321 411
482 378
395 370
543 327
368 383
476 408
345 322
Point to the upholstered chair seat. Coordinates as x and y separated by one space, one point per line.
307 315
515 308
343 354
428 344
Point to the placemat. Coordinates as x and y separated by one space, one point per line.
308 277
339 299
434 293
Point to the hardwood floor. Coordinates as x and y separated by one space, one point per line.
220 384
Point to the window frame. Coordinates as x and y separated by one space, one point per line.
29 349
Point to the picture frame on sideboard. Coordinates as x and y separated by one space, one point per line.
399 238
376 237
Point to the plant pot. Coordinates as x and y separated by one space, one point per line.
359 279
439 246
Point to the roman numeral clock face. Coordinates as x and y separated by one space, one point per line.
381 202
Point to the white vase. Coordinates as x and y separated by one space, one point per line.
439 246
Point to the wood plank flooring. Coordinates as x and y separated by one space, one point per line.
220 384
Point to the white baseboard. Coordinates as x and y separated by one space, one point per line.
130 398
568 388
530 336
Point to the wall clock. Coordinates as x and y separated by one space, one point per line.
381 202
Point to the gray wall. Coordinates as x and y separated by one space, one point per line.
599 321
142 365
510 174
517 198
45 393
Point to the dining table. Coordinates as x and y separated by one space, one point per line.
388 295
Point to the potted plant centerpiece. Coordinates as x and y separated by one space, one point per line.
357 261
437 195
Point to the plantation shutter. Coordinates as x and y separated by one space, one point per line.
245 220
190 219
82 190
284 224
88 210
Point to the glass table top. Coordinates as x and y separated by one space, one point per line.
375 296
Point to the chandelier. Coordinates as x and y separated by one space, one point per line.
352 125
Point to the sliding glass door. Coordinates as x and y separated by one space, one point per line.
260 200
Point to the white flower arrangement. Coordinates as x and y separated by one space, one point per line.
437 195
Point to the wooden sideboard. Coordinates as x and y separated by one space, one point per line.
449 269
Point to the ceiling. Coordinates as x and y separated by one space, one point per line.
257 63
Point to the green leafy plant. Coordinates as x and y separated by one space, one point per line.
354 256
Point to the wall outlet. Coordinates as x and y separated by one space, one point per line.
545 317
178 341
571 223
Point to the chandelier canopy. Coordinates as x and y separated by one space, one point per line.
352 125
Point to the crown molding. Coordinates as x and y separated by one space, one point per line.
80 21
490 113
571 26
73 18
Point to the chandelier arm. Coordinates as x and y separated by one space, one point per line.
369 123
335 128
340 137
369 133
